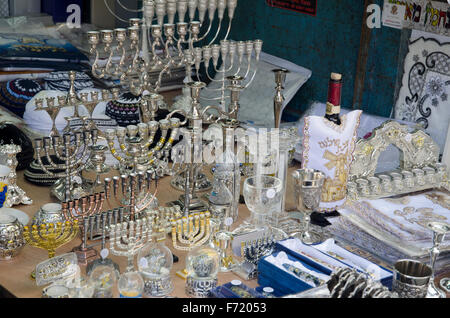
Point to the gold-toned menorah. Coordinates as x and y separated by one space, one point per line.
50 236
191 231
127 238
81 210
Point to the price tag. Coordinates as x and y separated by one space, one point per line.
228 221
104 253
271 193
393 15
143 263
268 290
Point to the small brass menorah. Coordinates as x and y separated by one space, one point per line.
50 236
80 210
191 231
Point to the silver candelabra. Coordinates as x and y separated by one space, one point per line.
73 150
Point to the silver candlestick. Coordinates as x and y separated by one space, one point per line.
278 102
135 194
16 195
439 231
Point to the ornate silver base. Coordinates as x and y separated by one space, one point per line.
196 205
78 189
199 288
202 183
246 270
157 287
85 256
16 196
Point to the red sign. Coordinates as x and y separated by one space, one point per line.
304 6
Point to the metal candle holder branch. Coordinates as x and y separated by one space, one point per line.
127 238
135 193
81 210
191 231
50 236
16 195
68 152
71 99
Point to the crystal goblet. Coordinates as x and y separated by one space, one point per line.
308 185
263 195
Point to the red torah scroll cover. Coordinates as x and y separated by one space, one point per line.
304 6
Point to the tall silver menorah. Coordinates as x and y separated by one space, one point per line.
126 238
73 150
155 49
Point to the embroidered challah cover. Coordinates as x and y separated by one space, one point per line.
329 148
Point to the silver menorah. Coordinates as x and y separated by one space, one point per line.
73 150
139 151
252 252
72 99
127 238
154 49
135 193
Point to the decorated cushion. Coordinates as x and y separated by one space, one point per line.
125 110
425 93
37 176
14 95
328 147
59 81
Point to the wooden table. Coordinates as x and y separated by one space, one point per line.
15 274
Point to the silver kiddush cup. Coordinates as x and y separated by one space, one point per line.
411 278
308 185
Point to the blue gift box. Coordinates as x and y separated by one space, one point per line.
386 281
225 291
283 282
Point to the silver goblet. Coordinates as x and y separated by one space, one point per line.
308 185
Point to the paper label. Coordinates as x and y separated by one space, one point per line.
271 193
228 221
143 263
393 15
104 253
